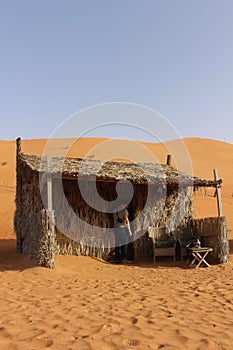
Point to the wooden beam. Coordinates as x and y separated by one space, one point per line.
218 193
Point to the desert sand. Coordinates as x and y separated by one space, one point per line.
86 303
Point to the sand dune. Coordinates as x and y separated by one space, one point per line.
205 155
88 304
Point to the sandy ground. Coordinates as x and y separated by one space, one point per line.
88 304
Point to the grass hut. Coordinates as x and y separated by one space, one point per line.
59 211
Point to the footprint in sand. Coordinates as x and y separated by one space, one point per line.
134 320
112 327
132 342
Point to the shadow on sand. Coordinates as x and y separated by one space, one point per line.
10 260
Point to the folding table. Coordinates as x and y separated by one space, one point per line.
199 256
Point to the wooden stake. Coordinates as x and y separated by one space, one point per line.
218 193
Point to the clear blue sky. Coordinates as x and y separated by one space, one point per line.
60 56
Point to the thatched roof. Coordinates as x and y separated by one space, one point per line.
140 173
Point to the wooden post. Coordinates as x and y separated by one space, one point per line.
49 186
47 242
218 193
169 159
19 208
18 145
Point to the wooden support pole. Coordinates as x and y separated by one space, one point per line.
169 159
218 193
18 145
19 210
49 186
